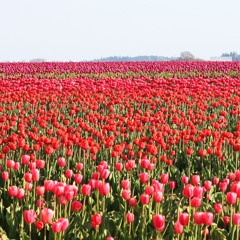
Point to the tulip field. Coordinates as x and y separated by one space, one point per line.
111 151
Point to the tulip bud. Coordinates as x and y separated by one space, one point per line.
29 216
119 167
164 178
144 198
184 218
178 227
126 194
195 179
188 191
218 208
96 220
236 219
185 179
130 217
132 202
76 206
46 215
231 198
159 222
61 162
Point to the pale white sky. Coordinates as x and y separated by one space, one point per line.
76 30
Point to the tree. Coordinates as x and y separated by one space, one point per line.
187 56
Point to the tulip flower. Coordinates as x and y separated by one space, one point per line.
184 218
178 227
159 222
46 215
130 217
96 220
29 216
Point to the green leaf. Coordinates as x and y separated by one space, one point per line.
219 233
24 236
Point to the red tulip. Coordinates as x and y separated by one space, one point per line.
40 190
76 206
208 185
5 176
237 174
188 191
198 218
25 159
130 217
61 162
39 225
79 166
207 218
144 198
40 164
104 189
157 196
105 173
119 167
40 203
178 227
21 194
218 208
149 190
144 177
13 191
215 181
205 231
172 184
231 176
64 223
223 186
159 222
56 227
195 179
231 198
28 177
86 189
68 173
184 218
198 191
185 179
164 178
132 202
29 216
49 185
78 178
145 163
236 219
46 215
196 202
10 164
35 175
96 220
125 184
126 194
226 220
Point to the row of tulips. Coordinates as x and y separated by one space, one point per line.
53 70
104 157
136 204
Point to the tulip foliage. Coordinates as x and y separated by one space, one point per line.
120 150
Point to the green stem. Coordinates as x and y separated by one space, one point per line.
30 231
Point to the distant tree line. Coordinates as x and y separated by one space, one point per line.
235 56
184 56
135 59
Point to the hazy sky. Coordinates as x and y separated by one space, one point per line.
78 30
